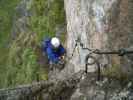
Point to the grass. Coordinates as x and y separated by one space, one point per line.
46 17
7 7
18 62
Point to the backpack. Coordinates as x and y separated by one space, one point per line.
45 44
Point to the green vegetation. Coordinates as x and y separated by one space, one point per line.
6 15
46 17
20 65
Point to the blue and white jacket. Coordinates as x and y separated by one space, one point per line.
53 55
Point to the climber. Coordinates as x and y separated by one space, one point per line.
53 49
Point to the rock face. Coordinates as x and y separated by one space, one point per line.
107 89
104 25
46 90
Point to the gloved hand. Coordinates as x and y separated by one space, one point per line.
62 57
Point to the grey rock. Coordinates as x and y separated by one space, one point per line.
50 90
105 25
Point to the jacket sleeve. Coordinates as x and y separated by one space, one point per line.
45 44
51 56
62 50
